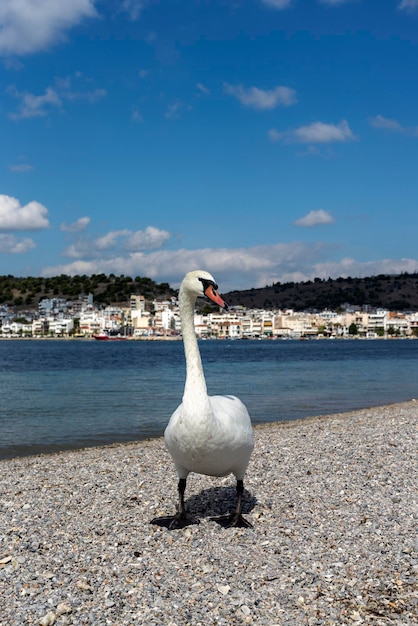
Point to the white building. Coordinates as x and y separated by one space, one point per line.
61 327
295 324
91 323
377 321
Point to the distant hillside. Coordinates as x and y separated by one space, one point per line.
397 293
27 292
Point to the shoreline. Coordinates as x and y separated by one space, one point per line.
333 502
54 449
179 338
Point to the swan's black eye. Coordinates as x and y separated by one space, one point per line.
205 282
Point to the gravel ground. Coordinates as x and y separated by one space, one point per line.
333 501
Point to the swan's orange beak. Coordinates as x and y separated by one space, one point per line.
212 295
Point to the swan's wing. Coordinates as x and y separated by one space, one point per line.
231 411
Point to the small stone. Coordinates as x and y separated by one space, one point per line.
5 560
48 619
109 603
206 569
244 608
63 608
224 589
84 586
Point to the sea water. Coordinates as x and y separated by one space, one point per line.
60 394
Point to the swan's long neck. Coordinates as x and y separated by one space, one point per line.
195 398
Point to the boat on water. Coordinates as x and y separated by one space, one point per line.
106 337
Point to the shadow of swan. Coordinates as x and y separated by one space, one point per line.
211 503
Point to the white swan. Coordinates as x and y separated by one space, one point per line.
209 435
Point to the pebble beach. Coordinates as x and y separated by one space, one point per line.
333 502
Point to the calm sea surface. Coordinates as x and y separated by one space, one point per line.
56 395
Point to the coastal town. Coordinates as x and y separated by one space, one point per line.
160 319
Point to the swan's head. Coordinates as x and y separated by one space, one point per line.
202 284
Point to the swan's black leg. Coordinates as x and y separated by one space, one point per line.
181 489
181 518
235 519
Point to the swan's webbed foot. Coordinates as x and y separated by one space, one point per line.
175 522
181 520
232 521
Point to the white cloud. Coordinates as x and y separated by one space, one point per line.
256 98
387 124
76 251
76 227
202 88
120 241
21 167
173 110
383 122
13 216
315 218
99 246
147 239
32 105
134 8
27 26
277 4
408 5
318 132
238 268
9 244
108 241
351 267
94 95
35 106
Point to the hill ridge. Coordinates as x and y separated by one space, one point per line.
395 292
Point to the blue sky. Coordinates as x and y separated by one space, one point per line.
262 140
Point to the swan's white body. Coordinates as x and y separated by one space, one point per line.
215 441
209 435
